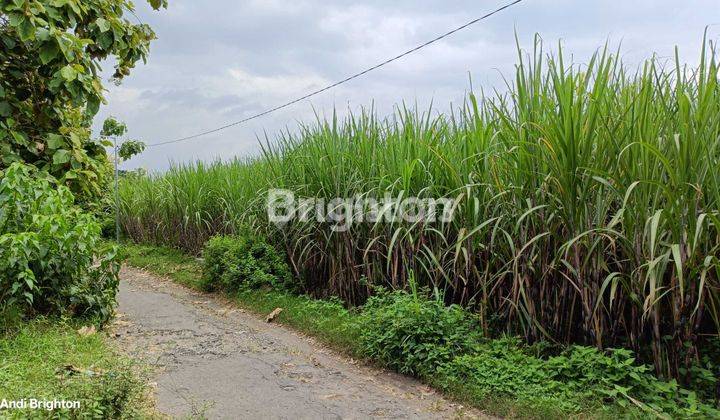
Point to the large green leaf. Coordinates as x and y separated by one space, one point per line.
93 106
68 73
55 141
102 24
60 157
26 30
49 51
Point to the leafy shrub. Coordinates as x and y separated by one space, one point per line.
130 148
214 260
705 372
617 376
49 262
415 335
443 344
500 369
580 379
235 262
113 394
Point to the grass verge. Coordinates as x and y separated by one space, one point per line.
49 360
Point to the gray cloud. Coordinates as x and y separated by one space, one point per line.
219 61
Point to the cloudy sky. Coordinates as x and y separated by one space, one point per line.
223 60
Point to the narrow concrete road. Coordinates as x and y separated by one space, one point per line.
214 360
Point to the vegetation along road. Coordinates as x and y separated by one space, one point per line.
216 360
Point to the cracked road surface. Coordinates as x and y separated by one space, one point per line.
216 361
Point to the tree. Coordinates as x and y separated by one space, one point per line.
113 128
50 85
130 148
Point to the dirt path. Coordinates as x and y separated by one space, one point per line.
218 361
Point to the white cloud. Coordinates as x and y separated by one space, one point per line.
245 84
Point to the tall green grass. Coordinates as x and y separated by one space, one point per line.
588 203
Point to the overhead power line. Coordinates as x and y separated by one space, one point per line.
347 79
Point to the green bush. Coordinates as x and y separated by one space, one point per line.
235 262
414 335
501 370
616 375
581 379
113 395
705 373
49 259
214 261
420 336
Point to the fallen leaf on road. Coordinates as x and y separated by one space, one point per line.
427 391
87 330
72 370
271 317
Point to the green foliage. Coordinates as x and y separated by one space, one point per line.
705 373
235 262
113 128
107 223
616 375
414 335
50 85
582 379
442 344
39 354
130 148
50 262
501 370
214 260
